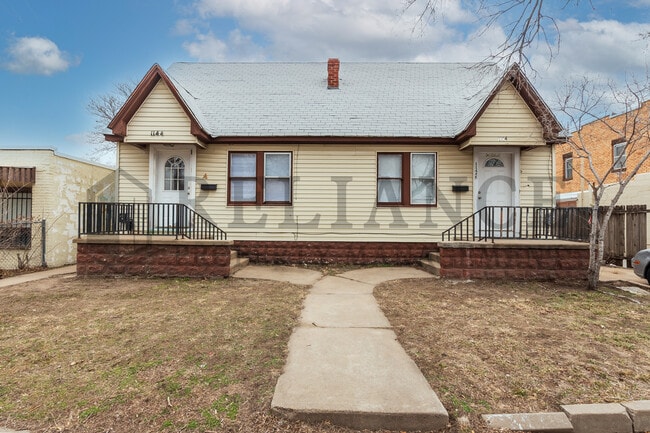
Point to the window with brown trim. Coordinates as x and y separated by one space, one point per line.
567 173
618 153
259 178
406 179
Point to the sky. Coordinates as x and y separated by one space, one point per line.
56 56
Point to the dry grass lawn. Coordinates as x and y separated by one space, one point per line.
489 347
120 355
147 355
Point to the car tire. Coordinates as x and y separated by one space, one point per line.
647 274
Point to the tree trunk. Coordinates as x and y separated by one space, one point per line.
593 275
593 271
596 245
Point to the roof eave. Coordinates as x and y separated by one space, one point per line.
322 139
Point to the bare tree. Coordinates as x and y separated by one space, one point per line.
103 108
583 104
525 23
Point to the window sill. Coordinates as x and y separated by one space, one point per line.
434 205
268 204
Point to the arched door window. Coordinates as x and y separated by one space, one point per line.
175 174
494 162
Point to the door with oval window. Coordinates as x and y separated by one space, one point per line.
495 186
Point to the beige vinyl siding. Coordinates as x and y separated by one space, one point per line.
160 111
133 173
536 182
334 196
507 121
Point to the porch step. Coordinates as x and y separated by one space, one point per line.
432 263
236 262
431 266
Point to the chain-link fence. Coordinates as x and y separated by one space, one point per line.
22 245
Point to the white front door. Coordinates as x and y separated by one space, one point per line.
496 185
171 177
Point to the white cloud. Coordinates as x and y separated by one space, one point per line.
603 51
183 27
315 30
208 48
603 46
36 55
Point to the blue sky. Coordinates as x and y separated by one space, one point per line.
55 56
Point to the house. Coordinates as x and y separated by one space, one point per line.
39 192
607 141
315 162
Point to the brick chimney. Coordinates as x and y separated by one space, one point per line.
333 73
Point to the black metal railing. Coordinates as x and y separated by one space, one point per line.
522 222
152 219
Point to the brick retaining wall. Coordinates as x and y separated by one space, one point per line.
523 262
324 252
112 256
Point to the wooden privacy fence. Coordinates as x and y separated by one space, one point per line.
626 232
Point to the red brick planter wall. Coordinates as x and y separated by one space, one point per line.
167 258
324 252
528 262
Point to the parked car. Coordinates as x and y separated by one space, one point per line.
641 264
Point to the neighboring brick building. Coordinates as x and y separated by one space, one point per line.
37 185
605 139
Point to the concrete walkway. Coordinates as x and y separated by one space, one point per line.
40 275
617 273
345 364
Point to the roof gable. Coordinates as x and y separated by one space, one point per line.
119 123
551 128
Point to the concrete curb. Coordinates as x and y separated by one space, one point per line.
629 417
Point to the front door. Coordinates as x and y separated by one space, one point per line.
496 186
172 182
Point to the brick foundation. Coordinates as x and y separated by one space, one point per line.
325 252
551 261
113 256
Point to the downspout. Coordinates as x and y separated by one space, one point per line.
553 178
117 173
582 183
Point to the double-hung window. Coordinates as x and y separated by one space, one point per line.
258 178
405 179
618 154
389 178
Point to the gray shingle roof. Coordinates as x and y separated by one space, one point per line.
373 99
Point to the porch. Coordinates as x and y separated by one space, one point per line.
515 259
515 242
153 239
